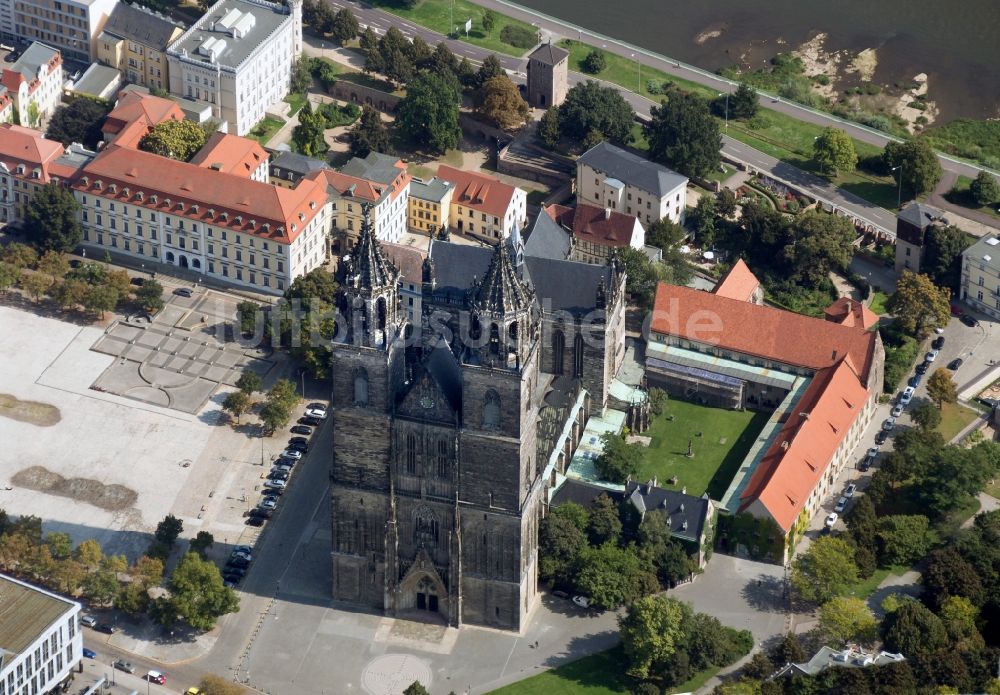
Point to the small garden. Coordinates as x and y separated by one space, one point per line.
265 129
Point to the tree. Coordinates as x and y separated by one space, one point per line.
548 127
665 233
199 596
743 103
666 555
465 73
499 100
147 571
89 554
926 416
100 586
168 530
69 293
948 574
825 570
370 134
54 263
846 618
150 295
301 78
589 106
443 61
605 525
369 45
702 218
250 382
903 539
489 21
862 522
100 298
19 255
416 688
912 629
119 281
174 139
309 136
651 631
820 243
344 26
428 115
36 284
79 121
490 68
727 203
201 543
619 460
419 51
237 403
595 62
941 387
984 189
919 305
50 219
9 276
217 685
273 416
560 539
834 150
683 135
942 255
920 169
397 65
611 576
284 393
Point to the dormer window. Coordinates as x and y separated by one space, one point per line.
211 212
253 224
140 195
86 179
98 184
166 201
126 192
239 219
113 187
225 216
194 209
153 199
293 227
312 205
20 170
302 216
180 206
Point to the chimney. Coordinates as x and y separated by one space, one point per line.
607 213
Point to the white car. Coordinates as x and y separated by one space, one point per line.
291 454
841 505
931 356
832 519
275 484
850 490
898 410
889 424
318 413
907 395
268 503
581 601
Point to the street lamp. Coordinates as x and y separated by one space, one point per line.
727 109
638 65
899 192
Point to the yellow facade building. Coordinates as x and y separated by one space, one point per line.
135 40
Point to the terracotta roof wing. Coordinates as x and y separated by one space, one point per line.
483 193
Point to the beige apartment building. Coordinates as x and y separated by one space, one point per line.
135 41
68 25
981 275
428 207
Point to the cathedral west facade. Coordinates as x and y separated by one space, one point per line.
449 431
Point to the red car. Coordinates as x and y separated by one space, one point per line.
156 677
956 310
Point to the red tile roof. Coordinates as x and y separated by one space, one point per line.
212 197
231 154
347 186
26 146
810 436
135 115
739 283
851 312
760 331
11 79
479 192
594 224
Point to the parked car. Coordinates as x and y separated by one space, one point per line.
278 475
261 513
923 367
89 653
275 484
560 594
969 321
881 437
831 519
316 406
243 549
285 462
955 364
297 440
105 628
956 310
841 505
850 490
245 555
268 503
582 601
318 413
311 421
136 281
281 468
183 292
931 356
156 677
898 410
255 520
292 454
301 429
239 562
88 620
907 395
938 342
299 446
889 424
122 665
915 380
232 577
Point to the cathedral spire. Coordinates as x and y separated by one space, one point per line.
369 268
501 292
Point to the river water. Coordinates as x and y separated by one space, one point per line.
955 42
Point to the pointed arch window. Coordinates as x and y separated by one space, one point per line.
558 351
491 410
361 387
411 454
494 339
425 527
442 458
578 356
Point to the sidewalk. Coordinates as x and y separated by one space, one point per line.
972 221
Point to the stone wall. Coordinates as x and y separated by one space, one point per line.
362 95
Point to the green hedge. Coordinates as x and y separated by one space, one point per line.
519 37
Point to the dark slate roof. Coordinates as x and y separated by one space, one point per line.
547 239
444 369
455 267
581 493
680 508
141 25
632 169
434 189
375 167
567 285
548 54
297 163
920 215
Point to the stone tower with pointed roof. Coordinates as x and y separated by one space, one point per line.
448 430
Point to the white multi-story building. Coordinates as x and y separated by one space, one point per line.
34 83
609 177
69 25
226 227
981 275
238 59
40 638
484 206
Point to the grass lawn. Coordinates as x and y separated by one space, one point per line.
695 683
598 674
438 14
866 588
296 101
726 437
994 488
718 175
955 418
878 303
959 195
265 130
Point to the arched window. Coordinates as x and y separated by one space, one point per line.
425 527
442 458
578 355
196 263
512 338
491 410
558 348
380 313
361 387
170 256
494 339
475 331
411 454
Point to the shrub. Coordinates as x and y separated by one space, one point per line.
654 87
872 89
822 79
759 122
518 36
594 62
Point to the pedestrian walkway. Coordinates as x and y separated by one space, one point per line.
976 223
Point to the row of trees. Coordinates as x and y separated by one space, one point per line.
195 592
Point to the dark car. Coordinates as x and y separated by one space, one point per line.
938 342
238 562
89 653
137 281
923 367
232 577
277 475
125 666
881 437
298 446
255 521
915 380
105 628
317 406
261 513
956 310
183 292
285 461
310 420
301 429
969 321
297 440
955 364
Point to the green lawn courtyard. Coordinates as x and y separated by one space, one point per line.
954 419
720 440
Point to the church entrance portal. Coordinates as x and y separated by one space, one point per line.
427 599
